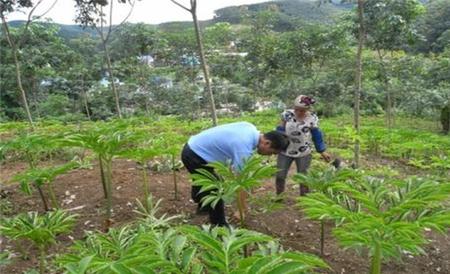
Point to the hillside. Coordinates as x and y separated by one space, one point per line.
290 14
305 10
65 31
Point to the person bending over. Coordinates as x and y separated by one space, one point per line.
233 142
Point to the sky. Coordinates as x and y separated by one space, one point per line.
145 11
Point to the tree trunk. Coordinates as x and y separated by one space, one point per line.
111 79
358 76
85 101
389 113
33 97
18 73
204 65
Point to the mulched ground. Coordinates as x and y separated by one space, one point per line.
81 191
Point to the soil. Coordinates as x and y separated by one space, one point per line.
81 192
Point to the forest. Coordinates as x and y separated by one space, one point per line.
94 117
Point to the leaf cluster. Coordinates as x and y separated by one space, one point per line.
225 182
391 214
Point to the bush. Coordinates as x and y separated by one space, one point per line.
55 105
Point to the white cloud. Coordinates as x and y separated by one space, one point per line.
146 11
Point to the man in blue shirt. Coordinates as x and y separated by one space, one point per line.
233 142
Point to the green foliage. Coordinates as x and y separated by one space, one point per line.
55 105
186 249
42 176
391 217
147 214
230 182
40 230
433 25
4 258
221 252
266 203
106 141
292 13
388 23
227 182
30 146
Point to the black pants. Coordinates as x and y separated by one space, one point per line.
192 162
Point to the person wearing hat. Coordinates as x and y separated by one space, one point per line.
234 142
301 125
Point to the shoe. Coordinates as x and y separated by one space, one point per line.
304 190
336 163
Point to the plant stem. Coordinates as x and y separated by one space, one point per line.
41 194
145 185
322 236
241 216
52 194
241 210
108 185
175 184
41 260
375 267
102 175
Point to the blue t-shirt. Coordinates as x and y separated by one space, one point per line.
235 142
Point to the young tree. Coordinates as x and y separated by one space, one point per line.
389 26
7 7
358 80
193 12
86 71
91 13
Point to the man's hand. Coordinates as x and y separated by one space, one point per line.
325 156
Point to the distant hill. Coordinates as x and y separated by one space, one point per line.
65 31
307 11
290 13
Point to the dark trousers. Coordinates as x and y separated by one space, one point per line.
192 162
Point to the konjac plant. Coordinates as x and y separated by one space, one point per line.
392 217
43 177
106 141
40 230
321 180
143 247
226 184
